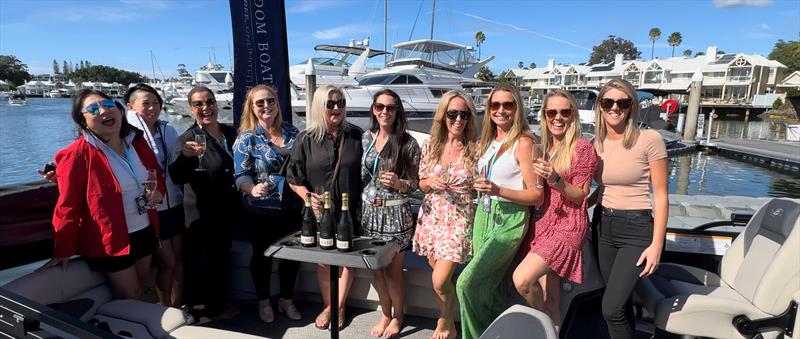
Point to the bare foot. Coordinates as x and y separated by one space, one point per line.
444 329
380 327
393 329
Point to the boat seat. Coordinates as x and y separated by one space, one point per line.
520 321
755 292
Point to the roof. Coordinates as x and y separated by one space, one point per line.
429 42
349 50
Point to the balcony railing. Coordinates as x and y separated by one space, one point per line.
738 78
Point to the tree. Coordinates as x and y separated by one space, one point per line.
777 103
687 52
82 65
699 54
55 67
479 39
13 70
485 74
533 65
521 65
675 39
65 68
105 74
787 53
655 34
182 72
609 48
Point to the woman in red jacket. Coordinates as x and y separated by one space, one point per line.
104 212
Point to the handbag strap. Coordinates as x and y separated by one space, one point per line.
338 161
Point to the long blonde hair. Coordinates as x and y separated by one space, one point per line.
249 118
562 161
520 127
631 130
439 128
315 120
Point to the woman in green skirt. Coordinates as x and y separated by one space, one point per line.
507 188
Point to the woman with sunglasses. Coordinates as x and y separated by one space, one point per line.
145 105
208 171
262 147
632 230
389 170
327 157
553 249
103 212
446 214
501 218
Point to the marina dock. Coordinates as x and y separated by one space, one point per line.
781 155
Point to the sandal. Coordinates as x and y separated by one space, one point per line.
323 320
341 320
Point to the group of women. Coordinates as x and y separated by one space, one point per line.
505 198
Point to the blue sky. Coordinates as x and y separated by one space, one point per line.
121 33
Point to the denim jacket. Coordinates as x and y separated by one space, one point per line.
253 146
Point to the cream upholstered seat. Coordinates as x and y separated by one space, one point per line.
759 280
520 321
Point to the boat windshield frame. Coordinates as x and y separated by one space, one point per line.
431 53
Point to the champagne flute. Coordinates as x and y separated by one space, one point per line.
320 191
444 175
150 185
539 157
385 166
201 140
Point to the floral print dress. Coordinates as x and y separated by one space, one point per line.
444 223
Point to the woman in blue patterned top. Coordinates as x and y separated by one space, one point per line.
262 147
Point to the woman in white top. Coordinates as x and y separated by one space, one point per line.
501 219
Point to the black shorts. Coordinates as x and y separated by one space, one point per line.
143 243
171 222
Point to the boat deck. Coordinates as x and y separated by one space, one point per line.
783 155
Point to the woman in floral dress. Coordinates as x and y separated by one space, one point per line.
445 216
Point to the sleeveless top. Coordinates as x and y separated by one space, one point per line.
505 171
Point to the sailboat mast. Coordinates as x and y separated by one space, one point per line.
433 15
385 20
152 64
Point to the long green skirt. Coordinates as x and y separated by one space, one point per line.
481 287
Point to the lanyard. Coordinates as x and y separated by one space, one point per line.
128 167
495 157
377 155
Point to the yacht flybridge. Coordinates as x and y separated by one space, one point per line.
339 66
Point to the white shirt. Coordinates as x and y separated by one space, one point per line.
505 172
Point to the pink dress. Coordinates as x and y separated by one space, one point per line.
445 217
559 234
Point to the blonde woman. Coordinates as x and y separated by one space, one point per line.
501 218
553 249
632 230
327 157
446 214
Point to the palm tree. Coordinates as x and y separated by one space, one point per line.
479 39
687 52
521 64
655 34
533 65
674 40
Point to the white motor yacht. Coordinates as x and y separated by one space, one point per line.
55 94
17 100
335 64
217 79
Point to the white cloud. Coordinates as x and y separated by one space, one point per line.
148 4
345 31
523 30
737 3
309 6
762 26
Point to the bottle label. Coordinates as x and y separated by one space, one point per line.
304 239
325 242
342 244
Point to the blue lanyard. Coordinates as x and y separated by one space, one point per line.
128 167
377 155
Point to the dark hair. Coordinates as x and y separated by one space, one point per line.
144 88
77 113
393 150
198 89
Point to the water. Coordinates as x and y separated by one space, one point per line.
32 134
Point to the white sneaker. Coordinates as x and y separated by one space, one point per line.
265 311
286 305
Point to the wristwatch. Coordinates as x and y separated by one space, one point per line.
555 178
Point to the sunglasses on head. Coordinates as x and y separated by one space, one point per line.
551 113
607 103
200 103
378 107
453 114
508 105
331 104
94 108
261 102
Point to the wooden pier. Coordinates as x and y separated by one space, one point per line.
781 155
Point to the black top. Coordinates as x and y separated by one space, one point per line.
214 188
312 165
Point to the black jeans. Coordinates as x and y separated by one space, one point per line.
624 235
207 248
265 229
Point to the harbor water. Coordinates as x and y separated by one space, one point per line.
31 134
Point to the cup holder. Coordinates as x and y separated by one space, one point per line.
289 243
377 243
368 252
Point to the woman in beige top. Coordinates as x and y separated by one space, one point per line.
631 232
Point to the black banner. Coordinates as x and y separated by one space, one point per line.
260 51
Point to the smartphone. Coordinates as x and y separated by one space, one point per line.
48 167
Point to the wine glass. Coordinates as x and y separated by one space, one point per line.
320 191
150 185
200 139
539 157
444 174
385 166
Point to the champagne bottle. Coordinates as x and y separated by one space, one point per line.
326 225
344 230
308 231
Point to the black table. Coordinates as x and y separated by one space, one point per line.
366 253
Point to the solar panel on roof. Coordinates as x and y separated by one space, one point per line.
727 58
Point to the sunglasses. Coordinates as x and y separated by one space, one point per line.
391 108
508 105
94 108
607 103
200 103
551 113
453 114
331 104
261 102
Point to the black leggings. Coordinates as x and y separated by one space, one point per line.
624 235
265 230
